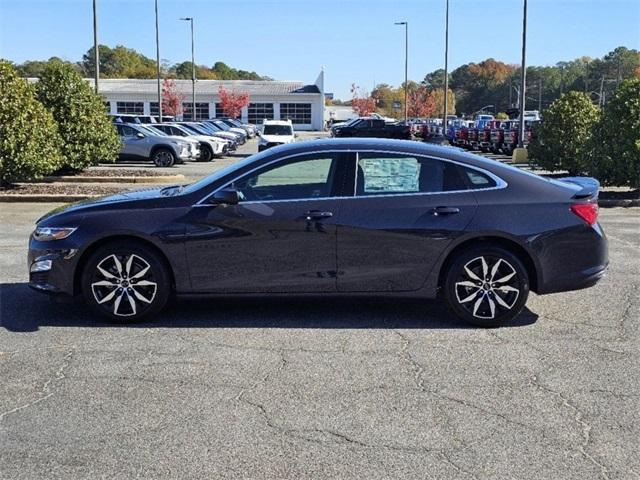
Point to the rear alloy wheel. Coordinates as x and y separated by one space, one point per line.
163 157
487 286
206 154
125 283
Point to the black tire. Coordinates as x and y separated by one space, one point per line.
206 154
483 303
107 276
163 157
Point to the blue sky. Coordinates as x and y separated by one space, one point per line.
355 40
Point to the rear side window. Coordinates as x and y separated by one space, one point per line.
478 180
388 174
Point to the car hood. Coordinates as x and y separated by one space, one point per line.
207 138
277 138
88 205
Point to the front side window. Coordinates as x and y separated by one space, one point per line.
388 174
126 131
296 179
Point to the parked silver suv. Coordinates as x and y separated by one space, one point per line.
140 143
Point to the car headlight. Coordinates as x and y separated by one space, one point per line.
47 234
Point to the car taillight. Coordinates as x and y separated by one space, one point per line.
586 211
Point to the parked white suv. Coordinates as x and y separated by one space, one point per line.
275 132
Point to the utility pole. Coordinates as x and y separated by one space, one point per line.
158 64
561 79
406 68
446 69
96 53
540 95
193 72
600 102
523 77
510 92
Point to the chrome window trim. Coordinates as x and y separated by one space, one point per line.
500 183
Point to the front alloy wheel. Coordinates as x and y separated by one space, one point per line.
487 286
125 283
164 157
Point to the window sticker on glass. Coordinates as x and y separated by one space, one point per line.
390 175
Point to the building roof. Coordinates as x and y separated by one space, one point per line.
206 87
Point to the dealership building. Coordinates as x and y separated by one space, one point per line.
301 103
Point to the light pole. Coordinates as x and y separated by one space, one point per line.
523 77
158 64
193 72
446 69
96 53
406 68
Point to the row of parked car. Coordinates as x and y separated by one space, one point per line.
484 133
171 142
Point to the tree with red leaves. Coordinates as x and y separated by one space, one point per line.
232 103
421 103
171 98
363 105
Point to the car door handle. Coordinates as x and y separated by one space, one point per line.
317 214
444 211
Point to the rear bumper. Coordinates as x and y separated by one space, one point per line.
573 259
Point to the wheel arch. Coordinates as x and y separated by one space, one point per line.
162 146
508 244
86 254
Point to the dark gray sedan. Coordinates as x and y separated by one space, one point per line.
332 217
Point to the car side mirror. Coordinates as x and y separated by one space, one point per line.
225 197
139 135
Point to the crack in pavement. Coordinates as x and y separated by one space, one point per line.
45 391
628 304
578 418
448 460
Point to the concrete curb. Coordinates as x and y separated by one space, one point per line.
609 203
103 179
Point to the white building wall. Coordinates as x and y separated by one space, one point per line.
315 99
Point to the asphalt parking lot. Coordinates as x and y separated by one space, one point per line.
309 389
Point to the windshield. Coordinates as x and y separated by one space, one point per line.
277 130
156 131
222 125
197 129
211 127
149 131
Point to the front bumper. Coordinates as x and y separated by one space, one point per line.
59 278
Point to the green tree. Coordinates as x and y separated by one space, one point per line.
88 133
119 62
29 139
34 68
616 138
563 138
